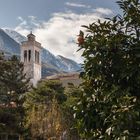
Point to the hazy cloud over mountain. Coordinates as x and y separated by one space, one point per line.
59 33
56 23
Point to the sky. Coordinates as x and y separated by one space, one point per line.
55 23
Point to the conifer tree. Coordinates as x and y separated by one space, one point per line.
13 86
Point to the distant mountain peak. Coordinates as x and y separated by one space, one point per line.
71 64
8 45
15 35
10 41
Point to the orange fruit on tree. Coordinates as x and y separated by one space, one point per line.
80 40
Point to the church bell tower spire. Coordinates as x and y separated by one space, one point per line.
31 57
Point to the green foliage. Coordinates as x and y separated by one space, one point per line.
110 105
43 111
13 85
49 111
45 92
73 94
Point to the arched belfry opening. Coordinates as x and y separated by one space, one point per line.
31 57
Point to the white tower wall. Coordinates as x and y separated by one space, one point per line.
31 57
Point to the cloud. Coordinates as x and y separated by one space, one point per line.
59 34
29 23
22 21
33 18
77 5
20 18
104 11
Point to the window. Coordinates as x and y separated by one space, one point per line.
36 56
25 56
29 55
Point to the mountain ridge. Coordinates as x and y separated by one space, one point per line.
51 64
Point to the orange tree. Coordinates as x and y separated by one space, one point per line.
109 107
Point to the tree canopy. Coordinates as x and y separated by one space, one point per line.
110 104
13 86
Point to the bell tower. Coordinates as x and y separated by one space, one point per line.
31 57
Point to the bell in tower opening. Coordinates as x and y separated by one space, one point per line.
31 57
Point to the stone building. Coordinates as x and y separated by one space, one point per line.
66 78
31 57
